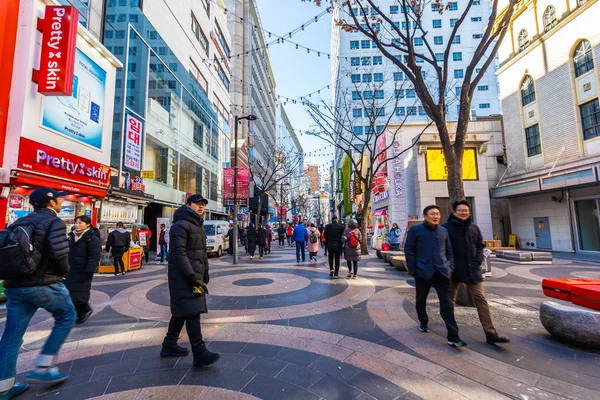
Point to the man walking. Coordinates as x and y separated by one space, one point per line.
429 259
333 242
163 238
290 234
261 240
281 235
119 241
300 236
321 231
467 246
188 277
42 289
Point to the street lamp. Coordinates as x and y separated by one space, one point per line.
281 202
250 117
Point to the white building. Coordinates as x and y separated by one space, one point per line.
288 143
549 80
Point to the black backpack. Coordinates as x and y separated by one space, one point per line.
16 252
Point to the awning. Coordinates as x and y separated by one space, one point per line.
25 178
380 212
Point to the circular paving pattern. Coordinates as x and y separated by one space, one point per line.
257 284
253 282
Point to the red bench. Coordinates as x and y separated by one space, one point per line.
561 288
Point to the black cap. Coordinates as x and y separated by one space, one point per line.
196 198
43 195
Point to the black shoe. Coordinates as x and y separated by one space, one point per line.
174 351
84 317
493 338
331 273
456 343
205 358
423 328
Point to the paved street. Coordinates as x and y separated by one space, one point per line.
285 330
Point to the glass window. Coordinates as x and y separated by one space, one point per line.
368 95
457 90
368 130
453 21
483 88
367 77
459 74
484 105
550 20
377 60
358 130
222 40
369 112
410 93
532 136
366 61
400 111
398 76
476 19
399 93
438 40
197 31
456 39
437 23
379 95
355 61
439 57
357 113
222 75
527 90
355 78
354 44
476 2
588 224
411 110
365 44
478 36
453 6
198 77
418 41
590 119
523 40
378 77
422 110
583 58
380 111
380 128
457 56
356 96
581 2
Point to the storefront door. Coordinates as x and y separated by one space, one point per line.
542 233
588 224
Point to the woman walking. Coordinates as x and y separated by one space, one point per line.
84 256
269 231
351 239
313 242
251 237
394 237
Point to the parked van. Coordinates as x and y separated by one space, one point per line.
216 243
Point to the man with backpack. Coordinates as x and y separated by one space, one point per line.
300 237
33 272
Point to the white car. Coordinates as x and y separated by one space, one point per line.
216 243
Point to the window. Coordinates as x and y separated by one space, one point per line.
459 74
380 128
198 134
374 12
198 77
550 20
452 6
532 136
379 95
457 90
365 44
439 57
410 93
394 9
476 19
199 34
527 90
399 93
378 77
478 36
368 95
356 95
398 76
476 2
377 60
395 24
414 25
355 78
523 40
368 130
590 119
438 40
380 111
435 7
358 130
400 111
483 88
581 2
367 77
484 105
357 113
422 110
583 58
477 70
456 39
355 61
457 56
354 44
437 23
369 112
411 110
222 40
222 75
366 60
453 21
418 41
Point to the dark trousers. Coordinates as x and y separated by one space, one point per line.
82 309
300 249
261 251
395 246
281 241
290 240
325 247
118 260
352 264
146 253
192 326
442 286
334 257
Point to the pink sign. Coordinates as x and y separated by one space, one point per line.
133 143
15 202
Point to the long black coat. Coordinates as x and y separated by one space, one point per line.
84 256
251 238
333 237
467 246
188 263
261 237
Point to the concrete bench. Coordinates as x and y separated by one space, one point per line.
572 324
399 262
392 253
524 256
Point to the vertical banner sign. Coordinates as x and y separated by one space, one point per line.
133 143
228 179
339 181
352 192
357 184
243 183
380 146
57 60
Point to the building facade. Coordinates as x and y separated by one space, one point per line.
549 80
312 174
288 143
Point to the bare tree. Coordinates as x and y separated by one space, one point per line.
302 202
373 108
397 44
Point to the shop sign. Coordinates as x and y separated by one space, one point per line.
59 41
380 146
381 196
357 184
133 143
80 116
398 173
437 170
243 186
15 202
115 212
339 186
46 160
135 259
352 192
148 174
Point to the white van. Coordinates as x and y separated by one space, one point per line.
216 243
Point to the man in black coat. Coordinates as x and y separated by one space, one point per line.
430 260
261 240
42 289
467 246
119 241
335 247
188 277
251 239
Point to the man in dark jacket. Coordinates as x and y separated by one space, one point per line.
119 241
229 236
281 235
43 289
251 238
261 240
430 260
467 246
300 237
333 241
188 277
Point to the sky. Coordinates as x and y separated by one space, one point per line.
298 73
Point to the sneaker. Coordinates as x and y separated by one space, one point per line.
423 328
331 273
174 351
336 277
84 317
205 358
456 343
122 273
349 275
16 390
354 276
51 376
493 338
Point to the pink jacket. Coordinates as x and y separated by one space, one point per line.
313 247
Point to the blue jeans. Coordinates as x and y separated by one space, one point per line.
20 308
300 246
164 252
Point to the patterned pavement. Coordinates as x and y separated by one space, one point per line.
288 331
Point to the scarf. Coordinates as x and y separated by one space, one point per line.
79 234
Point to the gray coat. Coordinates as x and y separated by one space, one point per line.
351 253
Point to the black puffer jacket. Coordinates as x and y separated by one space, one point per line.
333 237
261 237
467 245
251 238
188 263
50 249
84 256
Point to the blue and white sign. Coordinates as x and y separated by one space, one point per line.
79 116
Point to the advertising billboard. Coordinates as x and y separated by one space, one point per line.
437 170
133 143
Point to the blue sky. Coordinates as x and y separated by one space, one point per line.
298 73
